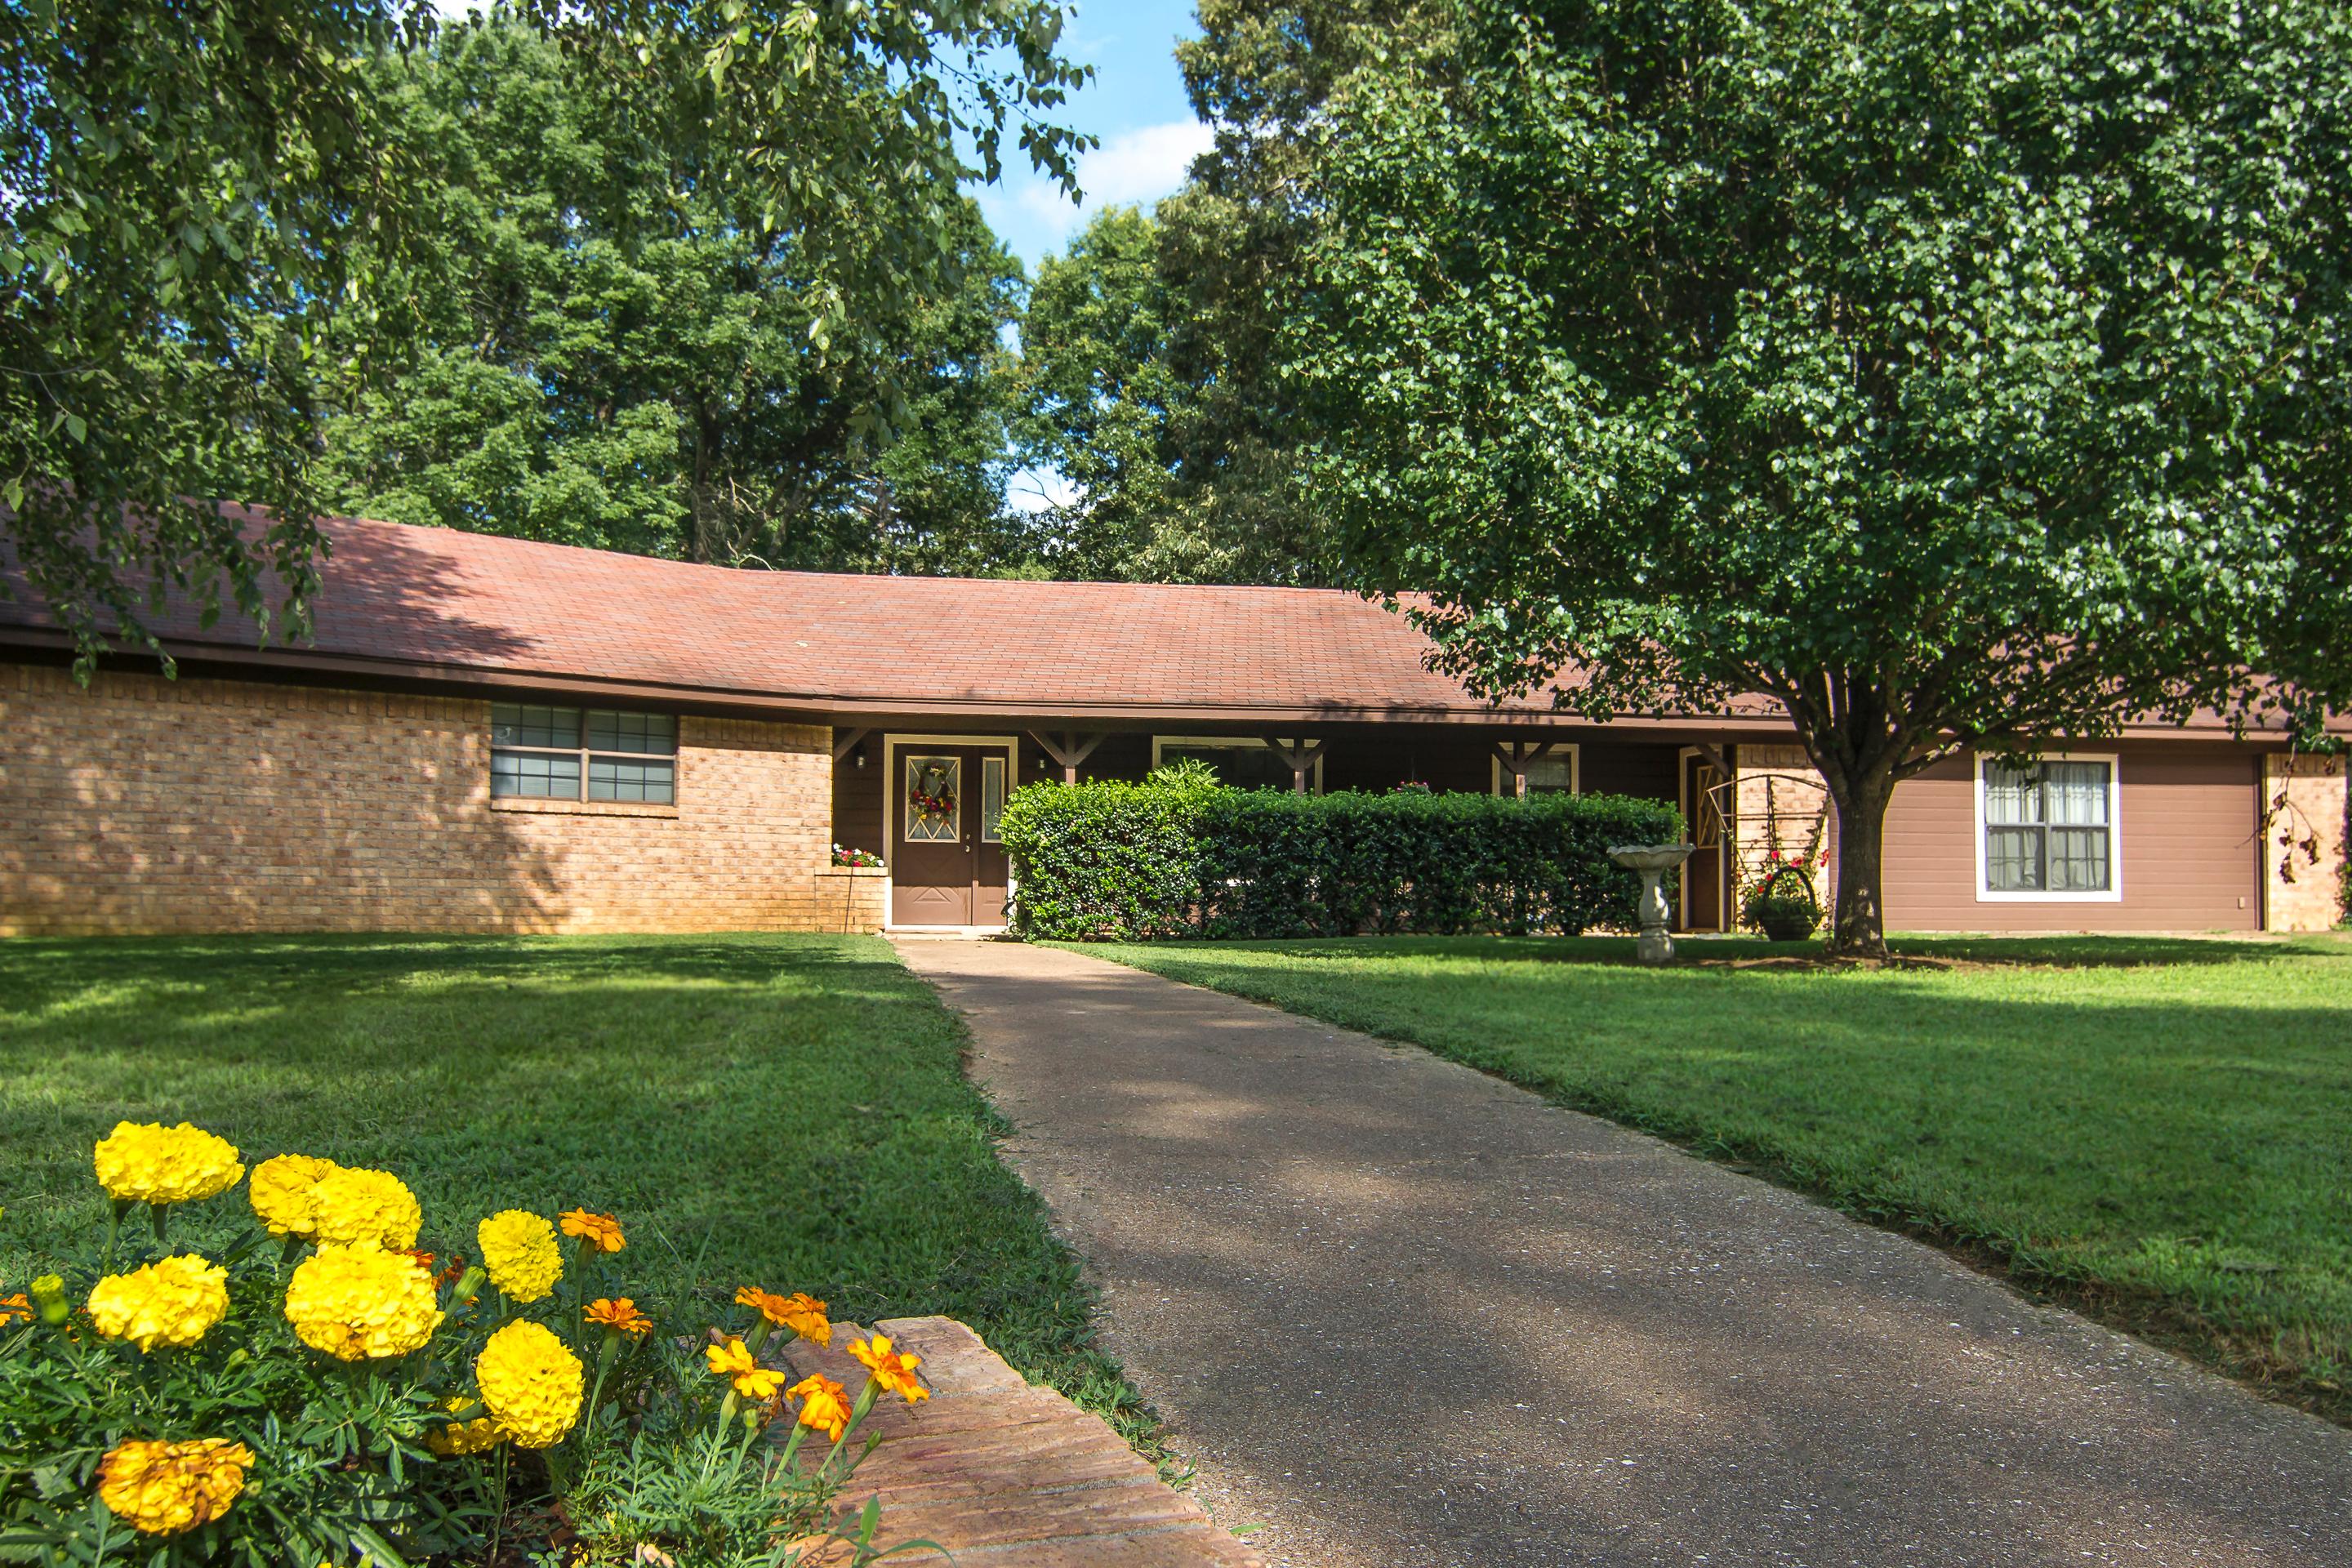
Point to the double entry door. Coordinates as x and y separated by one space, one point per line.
946 862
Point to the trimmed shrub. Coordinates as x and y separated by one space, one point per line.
1179 859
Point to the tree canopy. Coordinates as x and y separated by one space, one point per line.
1961 374
609 359
214 225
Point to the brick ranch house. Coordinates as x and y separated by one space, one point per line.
490 734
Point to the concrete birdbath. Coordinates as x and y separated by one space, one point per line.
1652 861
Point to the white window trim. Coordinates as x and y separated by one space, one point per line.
1159 742
1575 767
2114 892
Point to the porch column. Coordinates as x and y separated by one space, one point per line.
1301 758
1072 750
1515 756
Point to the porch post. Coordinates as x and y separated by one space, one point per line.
1301 757
1514 756
1070 752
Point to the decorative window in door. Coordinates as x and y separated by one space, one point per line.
934 799
991 799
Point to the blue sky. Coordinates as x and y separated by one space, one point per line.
1136 104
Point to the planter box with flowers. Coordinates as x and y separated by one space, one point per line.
304 1385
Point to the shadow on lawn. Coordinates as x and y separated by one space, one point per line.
97 976
1711 952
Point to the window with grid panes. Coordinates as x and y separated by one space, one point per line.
569 754
2049 828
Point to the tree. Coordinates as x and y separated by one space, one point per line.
1099 390
186 190
610 359
1182 449
1961 374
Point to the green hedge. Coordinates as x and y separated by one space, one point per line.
1125 861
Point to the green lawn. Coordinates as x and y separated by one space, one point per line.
2158 1131
784 1110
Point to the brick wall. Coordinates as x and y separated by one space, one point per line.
1778 800
2306 807
145 804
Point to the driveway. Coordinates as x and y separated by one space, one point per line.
1397 1312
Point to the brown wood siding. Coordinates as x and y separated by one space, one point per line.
2186 847
1618 767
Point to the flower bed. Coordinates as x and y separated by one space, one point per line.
304 1385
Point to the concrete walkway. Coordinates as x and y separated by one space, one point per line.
1402 1314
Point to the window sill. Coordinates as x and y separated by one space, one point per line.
853 872
539 806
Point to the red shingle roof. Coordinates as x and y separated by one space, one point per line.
420 600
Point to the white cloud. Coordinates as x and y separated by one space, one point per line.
1132 168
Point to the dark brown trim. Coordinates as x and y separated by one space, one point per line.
843 744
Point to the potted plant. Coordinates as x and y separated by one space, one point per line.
1781 904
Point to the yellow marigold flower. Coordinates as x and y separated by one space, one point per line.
146 1162
361 1303
600 1231
822 1408
173 1302
622 1314
164 1489
364 1208
734 1361
892 1369
469 1433
531 1385
519 1249
799 1312
284 1192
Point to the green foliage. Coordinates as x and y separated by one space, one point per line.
218 229
612 359
1172 857
2154 1126
1959 374
1103 858
1150 350
184 187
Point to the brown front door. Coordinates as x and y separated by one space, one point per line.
947 864
1702 873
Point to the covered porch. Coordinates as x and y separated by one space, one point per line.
922 793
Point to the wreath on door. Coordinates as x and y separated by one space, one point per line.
931 798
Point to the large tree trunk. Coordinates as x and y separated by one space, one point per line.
1858 918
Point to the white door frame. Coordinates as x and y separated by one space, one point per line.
1009 744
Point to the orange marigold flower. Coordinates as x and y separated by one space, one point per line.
735 1362
600 1231
622 1314
822 1408
892 1369
422 1258
799 1312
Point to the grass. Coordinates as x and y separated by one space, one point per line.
2158 1131
784 1111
